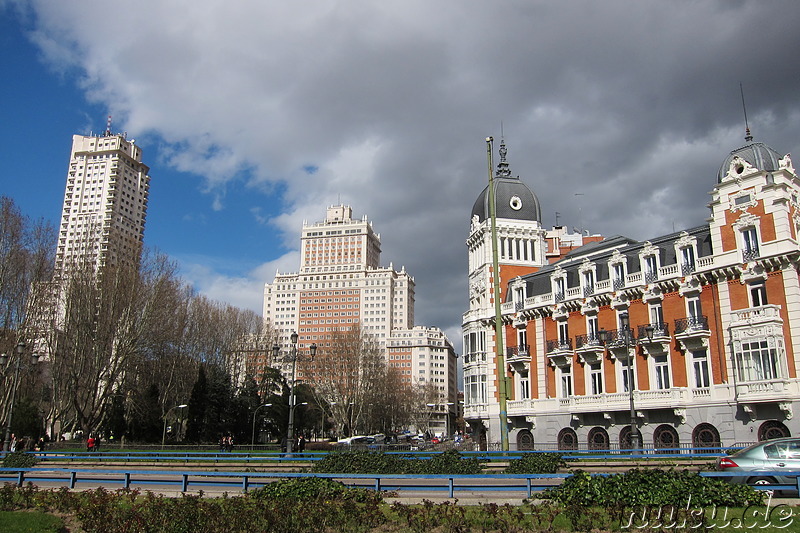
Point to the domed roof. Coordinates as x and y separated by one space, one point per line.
513 199
757 154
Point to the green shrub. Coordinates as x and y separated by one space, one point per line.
365 462
20 460
309 489
651 487
536 463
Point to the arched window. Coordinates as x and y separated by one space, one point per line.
665 438
772 429
705 436
524 440
625 438
567 439
598 439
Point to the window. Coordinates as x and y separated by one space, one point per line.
661 371
524 386
657 316
758 294
591 328
700 368
627 373
758 360
619 275
596 378
695 313
566 382
522 342
687 258
560 289
650 268
749 244
588 283
563 332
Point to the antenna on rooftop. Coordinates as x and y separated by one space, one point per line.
108 126
747 136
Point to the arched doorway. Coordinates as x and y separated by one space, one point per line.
598 439
665 439
705 436
567 439
772 429
524 440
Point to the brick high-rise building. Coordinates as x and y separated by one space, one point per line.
341 284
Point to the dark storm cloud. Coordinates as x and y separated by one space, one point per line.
617 114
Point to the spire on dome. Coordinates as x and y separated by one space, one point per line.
502 167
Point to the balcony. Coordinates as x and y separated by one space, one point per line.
750 255
660 329
687 268
619 284
588 290
691 324
756 316
588 340
560 345
650 277
620 401
518 352
692 332
559 352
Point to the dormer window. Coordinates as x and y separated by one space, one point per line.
687 260
650 268
559 289
588 282
618 275
749 244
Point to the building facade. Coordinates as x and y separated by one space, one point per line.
105 203
686 339
341 284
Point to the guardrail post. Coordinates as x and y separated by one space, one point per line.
377 484
450 486
20 478
185 483
798 484
244 483
127 483
530 489
73 478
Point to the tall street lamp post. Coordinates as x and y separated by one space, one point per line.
166 416
255 417
625 328
20 348
293 356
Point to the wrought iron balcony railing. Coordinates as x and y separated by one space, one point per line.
691 323
660 329
559 344
750 255
590 339
619 284
687 268
518 351
588 290
650 277
616 337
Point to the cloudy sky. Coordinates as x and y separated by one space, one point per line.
256 115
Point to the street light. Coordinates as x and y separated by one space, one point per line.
164 435
292 356
624 322
3 361
253 440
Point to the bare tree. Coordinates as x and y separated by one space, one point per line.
344 375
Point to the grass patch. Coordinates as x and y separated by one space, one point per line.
27 521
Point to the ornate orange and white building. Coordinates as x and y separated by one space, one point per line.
692 338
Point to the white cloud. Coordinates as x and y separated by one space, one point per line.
633 105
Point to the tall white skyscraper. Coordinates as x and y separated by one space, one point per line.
105 203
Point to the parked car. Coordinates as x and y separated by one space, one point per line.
765 462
